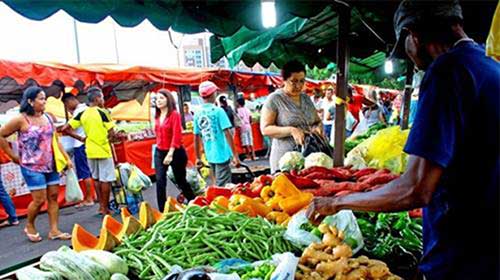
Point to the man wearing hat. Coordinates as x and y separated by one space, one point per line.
453 169
212 127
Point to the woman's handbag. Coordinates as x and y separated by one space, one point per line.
60 160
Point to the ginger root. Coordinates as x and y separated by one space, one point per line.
330 269
341 251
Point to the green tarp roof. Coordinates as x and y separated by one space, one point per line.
313 41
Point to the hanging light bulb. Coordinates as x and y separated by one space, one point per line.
388 66
268 13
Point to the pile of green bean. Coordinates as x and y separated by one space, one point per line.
200 236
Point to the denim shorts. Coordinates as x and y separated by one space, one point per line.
39 180
81 163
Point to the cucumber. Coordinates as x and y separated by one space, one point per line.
118 276
64 265
32 273
97 271
112 262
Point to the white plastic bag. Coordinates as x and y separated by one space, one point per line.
73 191
287 266
343 220
346 222
297 235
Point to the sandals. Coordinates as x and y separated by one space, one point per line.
35 238
61 236
7 223
84 204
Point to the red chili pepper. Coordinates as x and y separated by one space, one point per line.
363 172
302 182
415 213
380 179
313 169
200 201
212 192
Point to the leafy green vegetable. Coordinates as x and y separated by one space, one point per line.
394 238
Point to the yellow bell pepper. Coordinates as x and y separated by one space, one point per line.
293 204
277 217
267 193
282 186
245 209
220 201
241 203
260 208
258 200
274 203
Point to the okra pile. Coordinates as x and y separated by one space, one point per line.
200 236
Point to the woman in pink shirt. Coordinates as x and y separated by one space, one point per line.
169 149
246 129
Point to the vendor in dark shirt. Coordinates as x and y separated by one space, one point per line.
453 170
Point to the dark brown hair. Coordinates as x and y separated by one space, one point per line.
292 66
170 102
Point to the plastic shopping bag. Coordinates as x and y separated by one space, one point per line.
73 191
343 220
346 222
287 266
298 236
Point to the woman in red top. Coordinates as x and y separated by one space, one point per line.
169 150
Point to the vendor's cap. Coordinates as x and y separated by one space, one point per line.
207 88
414 12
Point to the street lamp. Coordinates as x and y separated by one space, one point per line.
388 66
268 13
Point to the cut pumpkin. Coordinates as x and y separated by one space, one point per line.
124 213
157 215
112 225
83 240
130 226
172 205
146 216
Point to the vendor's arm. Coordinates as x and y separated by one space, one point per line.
432 143
7 130
412 190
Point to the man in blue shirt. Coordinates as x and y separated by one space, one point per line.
212 126
453 170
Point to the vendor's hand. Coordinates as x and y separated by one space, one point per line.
236 161
168 159
321 207
298 135
83 139
69 165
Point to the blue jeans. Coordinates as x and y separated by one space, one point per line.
327 130
7 204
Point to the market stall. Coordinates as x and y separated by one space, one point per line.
253 230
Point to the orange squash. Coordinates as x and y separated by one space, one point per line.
146 216
83 240
172 205
130 226
124 213
112 225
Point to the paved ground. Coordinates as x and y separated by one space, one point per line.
15 247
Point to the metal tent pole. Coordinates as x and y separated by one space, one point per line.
407 95
342 82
